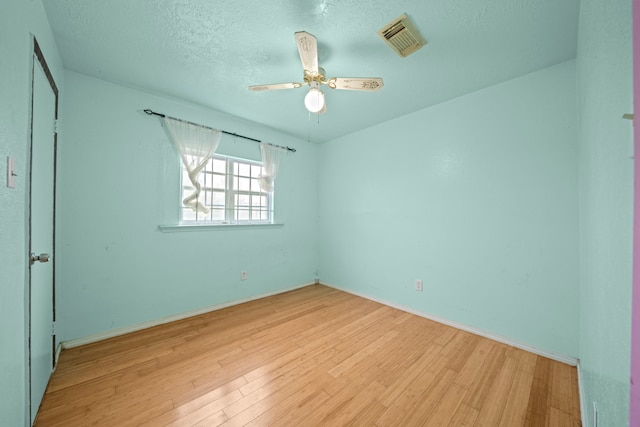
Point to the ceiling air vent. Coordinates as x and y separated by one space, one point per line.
402 36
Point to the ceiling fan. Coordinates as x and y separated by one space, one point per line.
315 76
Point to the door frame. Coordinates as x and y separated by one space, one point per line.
38 56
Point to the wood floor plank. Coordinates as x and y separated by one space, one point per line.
302 381
212 420
359 356
493 407
286 412
459 356
190 418
465 416
357 400
429 399
368 415
447 407
557 418
314 357
358 376
515 410
205 390
468 372
191 405
561 390
538 408
407 399
416 372
481 385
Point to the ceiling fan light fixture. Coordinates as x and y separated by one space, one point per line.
314 100
315 76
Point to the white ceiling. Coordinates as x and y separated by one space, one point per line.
208 52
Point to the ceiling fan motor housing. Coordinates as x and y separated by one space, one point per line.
319 77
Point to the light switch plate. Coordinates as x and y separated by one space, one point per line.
11 174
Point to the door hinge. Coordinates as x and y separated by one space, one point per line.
56 125
53 328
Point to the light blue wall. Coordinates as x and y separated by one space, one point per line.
606 206
478 197
19 21
119 179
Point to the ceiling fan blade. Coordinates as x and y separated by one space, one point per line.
276 86
355 83
308 50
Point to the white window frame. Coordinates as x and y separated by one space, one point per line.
239 207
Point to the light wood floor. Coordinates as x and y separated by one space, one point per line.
310 357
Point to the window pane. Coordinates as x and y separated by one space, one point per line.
256 201
201 179
188 215
242 200
206 196
244 169
202 216
255 186
218 199
256 170
243 215
219 166
219 182
217 214
185 178
256 214
243 184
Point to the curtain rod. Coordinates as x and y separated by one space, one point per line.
153 113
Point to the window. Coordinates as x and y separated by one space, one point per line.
231 191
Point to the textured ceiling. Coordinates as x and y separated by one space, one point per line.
208 52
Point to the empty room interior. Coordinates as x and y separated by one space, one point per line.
317 212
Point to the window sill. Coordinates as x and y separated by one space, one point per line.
209 227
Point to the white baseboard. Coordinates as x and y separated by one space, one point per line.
495 337
57 356
140 326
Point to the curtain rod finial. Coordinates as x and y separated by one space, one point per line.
150 112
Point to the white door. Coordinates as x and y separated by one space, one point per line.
41 235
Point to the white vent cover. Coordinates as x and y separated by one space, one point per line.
402 36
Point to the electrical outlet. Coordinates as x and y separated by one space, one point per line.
418 285
243 275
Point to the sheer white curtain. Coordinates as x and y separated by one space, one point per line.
196 144
271 156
